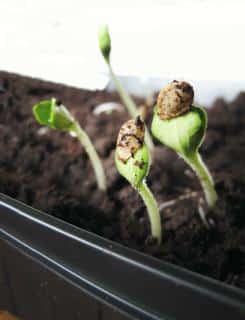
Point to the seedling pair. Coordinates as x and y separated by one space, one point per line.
133 155
180 126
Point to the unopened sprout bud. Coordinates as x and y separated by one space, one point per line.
182 127
105 48
105 42
49 114
132 160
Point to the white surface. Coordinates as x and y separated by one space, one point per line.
206 91
195 40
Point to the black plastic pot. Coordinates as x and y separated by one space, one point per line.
52 270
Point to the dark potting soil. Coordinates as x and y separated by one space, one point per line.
50 171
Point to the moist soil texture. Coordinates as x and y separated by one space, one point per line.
50 171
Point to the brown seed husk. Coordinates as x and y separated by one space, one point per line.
130 138
174 99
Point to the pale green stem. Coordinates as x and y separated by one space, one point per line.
93 156
129 103
153 211
196 163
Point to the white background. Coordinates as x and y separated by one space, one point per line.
57 40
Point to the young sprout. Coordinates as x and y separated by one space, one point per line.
49 114
182 127
132 160
105 48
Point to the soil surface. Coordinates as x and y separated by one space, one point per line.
50 171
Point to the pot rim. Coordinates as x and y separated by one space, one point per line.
30 230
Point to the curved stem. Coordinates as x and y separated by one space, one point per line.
95 160
153 211
201 170
129 103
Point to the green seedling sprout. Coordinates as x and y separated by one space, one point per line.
49 114
105 48
182 127
132 159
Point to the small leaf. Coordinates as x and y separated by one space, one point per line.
62 119
136 168
44 112
184 134
105 42
49 114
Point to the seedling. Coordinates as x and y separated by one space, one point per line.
49 114
182 127
132 159
105 48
